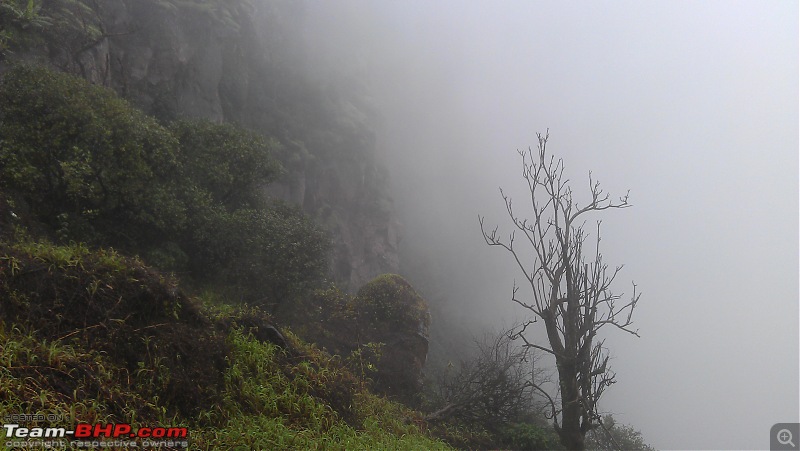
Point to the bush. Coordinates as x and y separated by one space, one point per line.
492 389
230 164
87 163
20 23
492 393
390 300
613 436
266 252
94 169
528 436
93 336
266 256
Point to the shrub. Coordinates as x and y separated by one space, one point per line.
266 256
390 299
94 169
528 436
87 163
231 164
266 252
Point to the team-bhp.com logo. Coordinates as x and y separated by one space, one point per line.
85 433
85 430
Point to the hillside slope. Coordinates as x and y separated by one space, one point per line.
95 337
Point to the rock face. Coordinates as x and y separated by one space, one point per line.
244 61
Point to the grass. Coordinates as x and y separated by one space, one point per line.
272 403
58 380
93 336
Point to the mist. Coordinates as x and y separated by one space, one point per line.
692 106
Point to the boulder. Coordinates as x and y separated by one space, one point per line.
388 310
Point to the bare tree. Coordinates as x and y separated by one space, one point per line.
570 289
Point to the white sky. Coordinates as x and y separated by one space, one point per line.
692 105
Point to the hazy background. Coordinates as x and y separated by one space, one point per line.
693 106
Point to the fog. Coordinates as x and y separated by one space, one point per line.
693 106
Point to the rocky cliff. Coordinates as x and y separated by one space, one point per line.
241 61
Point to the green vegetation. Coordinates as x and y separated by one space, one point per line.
274 401
613 436
381 332
492 392
17 17
60 30
90 166
390 299
98 337
95 334
93 169
101 205
113 308
227 163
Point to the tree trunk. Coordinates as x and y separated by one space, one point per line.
570 434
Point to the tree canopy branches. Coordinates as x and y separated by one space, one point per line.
570 286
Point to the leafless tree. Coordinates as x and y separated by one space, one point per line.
570 289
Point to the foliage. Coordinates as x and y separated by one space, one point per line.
388 310
94 169
84 159
120 341
266 252
19 19
390 299
76 27
492 389
268 256
98 337
49 377
228 163
381 333
612 436
528 436
57 30
118 307
277 402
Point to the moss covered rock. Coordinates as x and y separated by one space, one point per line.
391 312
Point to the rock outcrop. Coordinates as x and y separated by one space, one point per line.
391 312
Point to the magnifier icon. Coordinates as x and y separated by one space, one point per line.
784 437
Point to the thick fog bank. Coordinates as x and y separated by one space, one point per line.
693 106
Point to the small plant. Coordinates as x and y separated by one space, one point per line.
364 359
